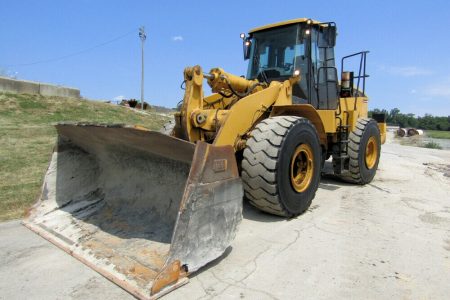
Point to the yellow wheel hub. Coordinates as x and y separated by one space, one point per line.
371 152
302 167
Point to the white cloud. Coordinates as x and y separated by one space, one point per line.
119 98
413 91
9 73
407 71
177 38
439 90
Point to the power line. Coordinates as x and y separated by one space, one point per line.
73 54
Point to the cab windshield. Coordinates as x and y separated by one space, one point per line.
276 53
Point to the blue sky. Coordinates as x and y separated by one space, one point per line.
408 40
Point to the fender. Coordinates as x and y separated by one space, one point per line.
309 112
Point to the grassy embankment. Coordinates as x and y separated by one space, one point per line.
433 139
436 134
27 138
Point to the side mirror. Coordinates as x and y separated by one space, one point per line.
247 45
328 36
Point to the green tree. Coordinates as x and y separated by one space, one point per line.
427 122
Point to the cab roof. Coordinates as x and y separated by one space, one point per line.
283 23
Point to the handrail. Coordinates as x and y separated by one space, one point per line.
362 68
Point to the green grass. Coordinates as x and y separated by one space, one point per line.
432 145
27 138
438 134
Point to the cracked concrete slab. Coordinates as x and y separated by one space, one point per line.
388 239
31 268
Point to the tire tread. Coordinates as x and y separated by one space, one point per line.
259 163
354 173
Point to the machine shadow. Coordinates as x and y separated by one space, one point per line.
328 181
212 263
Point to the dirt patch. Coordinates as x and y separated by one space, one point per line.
441 168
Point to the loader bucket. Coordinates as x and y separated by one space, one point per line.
141 208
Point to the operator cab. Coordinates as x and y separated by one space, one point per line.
276 51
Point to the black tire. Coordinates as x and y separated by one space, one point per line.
267 165
359 172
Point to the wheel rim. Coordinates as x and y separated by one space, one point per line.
302 168
371 152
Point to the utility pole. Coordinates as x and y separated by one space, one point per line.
143 37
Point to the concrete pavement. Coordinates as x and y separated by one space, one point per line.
388 239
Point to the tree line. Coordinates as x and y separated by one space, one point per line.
427 122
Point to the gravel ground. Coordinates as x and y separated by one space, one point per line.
388 239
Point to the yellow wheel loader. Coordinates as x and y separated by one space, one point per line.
145 209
